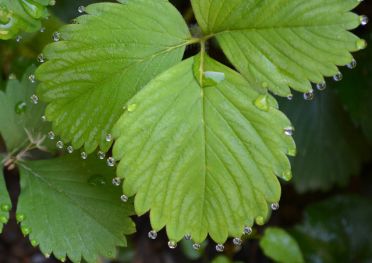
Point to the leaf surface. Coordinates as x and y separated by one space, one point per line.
282 45
200 154
330 148
5 203
20 118
336 230
21 15
102 61
71 209
280 246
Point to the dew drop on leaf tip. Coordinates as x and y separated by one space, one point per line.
101 155
220 248
289 131
321 86
34 99
247 230
59 145
352 64
56 36
338 77
83 155
70 149
81 9
111 161
108 138
124 198
363 20
309 95
116 181
19 38
172 244
196 246
51 135
237 241
152 234
274 206
32 78
187 237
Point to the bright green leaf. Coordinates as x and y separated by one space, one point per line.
5 203
336 230
102 61
221 259
21 15
202 159
20 118
282 44
70 208
330 148
278 245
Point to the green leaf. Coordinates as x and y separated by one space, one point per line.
282 44
70 208
21 15
356 91
5 203
103 61
20 118
221 259
278 245
202 159
337 230
330 148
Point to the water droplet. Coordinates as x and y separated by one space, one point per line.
338 77
237 241
51 135
187 237
108 138
132 107
5 207
83 155
289 131
20 217
247 230
309 95
196 246
124 198
70 149
42 29
220 248
12 76
111 162
34 243
262 102
172 244
97 180
62 259
116 181
20 107
260 220
290 97
363 20
101 155
152 234
59 144
56 36
41 58
352 64
214 77
34 99
25 230
32 78
274 206
3 219
81 9
52 2
47 255
19 38
361 44
321 86
43 118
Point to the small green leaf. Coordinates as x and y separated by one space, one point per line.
282 44
102 61
21 15
336 230
202 159
278 245
330 148
69 215
20 118
221 259
5 203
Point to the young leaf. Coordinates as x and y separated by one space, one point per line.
330 148
20 118
103 60
284 43
202 156
5 203
21 15
336 230
70 208
280 246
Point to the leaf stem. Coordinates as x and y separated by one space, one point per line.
202 58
